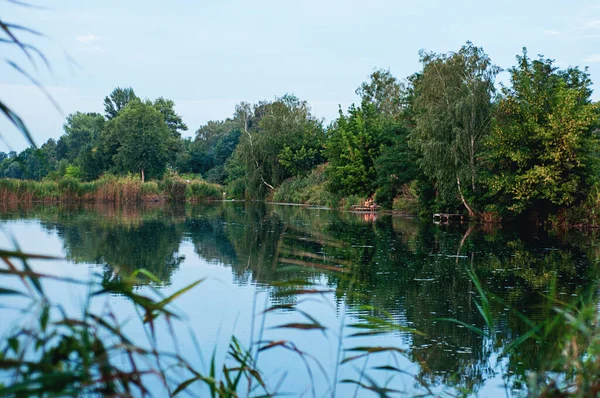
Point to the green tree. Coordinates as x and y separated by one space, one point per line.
81 130
140 135
225 146
34 164
395 164
452 110
117 100
92 162
49 150
13 170
542 143
175 124
279 139
384 91
81 144
73 171
213 145
354 142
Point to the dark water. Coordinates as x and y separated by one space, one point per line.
410 272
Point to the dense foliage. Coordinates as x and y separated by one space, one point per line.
445 139
280 139
543 144
453 106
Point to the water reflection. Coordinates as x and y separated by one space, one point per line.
413 270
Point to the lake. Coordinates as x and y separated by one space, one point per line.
337 270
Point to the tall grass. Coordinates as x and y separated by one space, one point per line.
53 353
309 190
199 190
109 188
575 372
56 354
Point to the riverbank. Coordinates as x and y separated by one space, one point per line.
108 189
309 191
312 190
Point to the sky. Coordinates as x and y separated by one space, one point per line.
208 55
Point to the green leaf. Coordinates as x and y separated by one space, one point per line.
13 343
179 293
302 326
44 316
470 327
11 292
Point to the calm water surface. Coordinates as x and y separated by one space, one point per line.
411 272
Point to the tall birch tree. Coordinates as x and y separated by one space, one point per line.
453 109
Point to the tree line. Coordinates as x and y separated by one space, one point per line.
449 135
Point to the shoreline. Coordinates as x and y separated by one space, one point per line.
163 199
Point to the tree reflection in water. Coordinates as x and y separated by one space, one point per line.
413 270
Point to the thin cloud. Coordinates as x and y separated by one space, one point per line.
98 49
593 24
551 32
592 58
87 39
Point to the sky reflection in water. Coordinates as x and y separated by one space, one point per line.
412 271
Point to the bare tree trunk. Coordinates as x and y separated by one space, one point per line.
472 163
472 148
266 183
463 240
462 198
142 175
254 157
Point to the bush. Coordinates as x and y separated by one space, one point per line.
385 196
73 171
69 188
352 200
236 189
309 190
585 213
408 201
174 188
150 191
201 190
216 175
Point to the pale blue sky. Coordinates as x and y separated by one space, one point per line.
207 55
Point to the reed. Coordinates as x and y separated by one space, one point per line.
174 187
118 189
81 355
109 188
199 190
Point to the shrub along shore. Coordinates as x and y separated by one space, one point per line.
108 189
305 191
312 190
